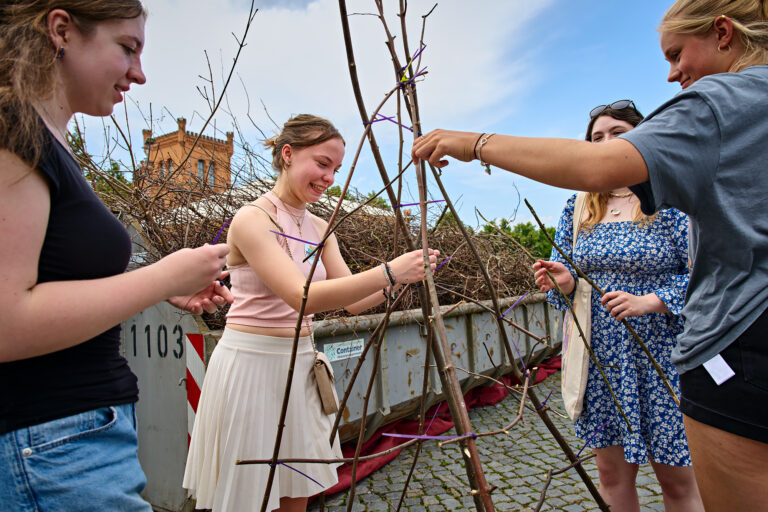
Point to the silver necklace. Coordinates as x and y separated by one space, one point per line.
616 211
298 220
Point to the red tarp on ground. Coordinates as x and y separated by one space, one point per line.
477 397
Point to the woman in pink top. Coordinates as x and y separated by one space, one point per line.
242 394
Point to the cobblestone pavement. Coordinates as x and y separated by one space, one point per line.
517 464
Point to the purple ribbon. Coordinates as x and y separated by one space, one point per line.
518 355
297 239
415 204
413 58
434 416
591 437
404 81
542 404
299 472
513 305
443 263
221 230
391 119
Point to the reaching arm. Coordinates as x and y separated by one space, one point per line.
336 267
42 318
565 163
250 236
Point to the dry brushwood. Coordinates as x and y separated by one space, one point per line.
365 237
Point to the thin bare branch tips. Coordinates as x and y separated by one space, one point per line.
551 473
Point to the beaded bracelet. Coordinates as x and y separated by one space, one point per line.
390 275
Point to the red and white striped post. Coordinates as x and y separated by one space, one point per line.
195 376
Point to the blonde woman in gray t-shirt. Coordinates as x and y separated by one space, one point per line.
703 152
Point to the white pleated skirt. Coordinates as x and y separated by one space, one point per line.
237 419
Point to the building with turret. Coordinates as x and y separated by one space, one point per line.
173 174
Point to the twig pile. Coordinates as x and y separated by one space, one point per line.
365 239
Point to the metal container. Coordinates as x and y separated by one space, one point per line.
168 349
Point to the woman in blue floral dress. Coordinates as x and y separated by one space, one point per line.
642 263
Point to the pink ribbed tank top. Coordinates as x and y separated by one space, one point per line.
254 303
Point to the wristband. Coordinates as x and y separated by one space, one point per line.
390 275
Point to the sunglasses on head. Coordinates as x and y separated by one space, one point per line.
616 105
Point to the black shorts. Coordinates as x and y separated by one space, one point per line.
740 404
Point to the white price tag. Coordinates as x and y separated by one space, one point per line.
718 369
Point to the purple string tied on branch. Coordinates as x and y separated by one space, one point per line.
416 204
542 404
297 239
410 81
513 305
296 470
221 230
433 417
592 437
442 263
388 118
415 55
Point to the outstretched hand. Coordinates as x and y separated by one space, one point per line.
561 274
409 268
209 299
187 271
437 144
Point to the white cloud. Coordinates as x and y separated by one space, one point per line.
295 61
478 57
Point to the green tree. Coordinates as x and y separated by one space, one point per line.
528 235
335 191
99 178
379 202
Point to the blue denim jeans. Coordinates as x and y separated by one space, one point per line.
83 463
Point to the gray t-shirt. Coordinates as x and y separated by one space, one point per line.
707 155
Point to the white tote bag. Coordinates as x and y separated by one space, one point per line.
575 359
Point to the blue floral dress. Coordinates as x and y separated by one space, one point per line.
638 259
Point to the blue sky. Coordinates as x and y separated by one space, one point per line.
504 66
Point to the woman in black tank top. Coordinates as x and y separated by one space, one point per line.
67 424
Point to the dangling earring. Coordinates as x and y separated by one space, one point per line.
287 163
60 53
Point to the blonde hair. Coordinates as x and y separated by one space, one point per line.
597 205
749 18
301 131
28 57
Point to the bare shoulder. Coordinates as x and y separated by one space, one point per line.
24 211
249 228
260 211
20 183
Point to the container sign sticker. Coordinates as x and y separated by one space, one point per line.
344 349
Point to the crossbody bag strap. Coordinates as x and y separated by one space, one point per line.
578 213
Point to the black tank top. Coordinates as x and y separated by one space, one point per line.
83 240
